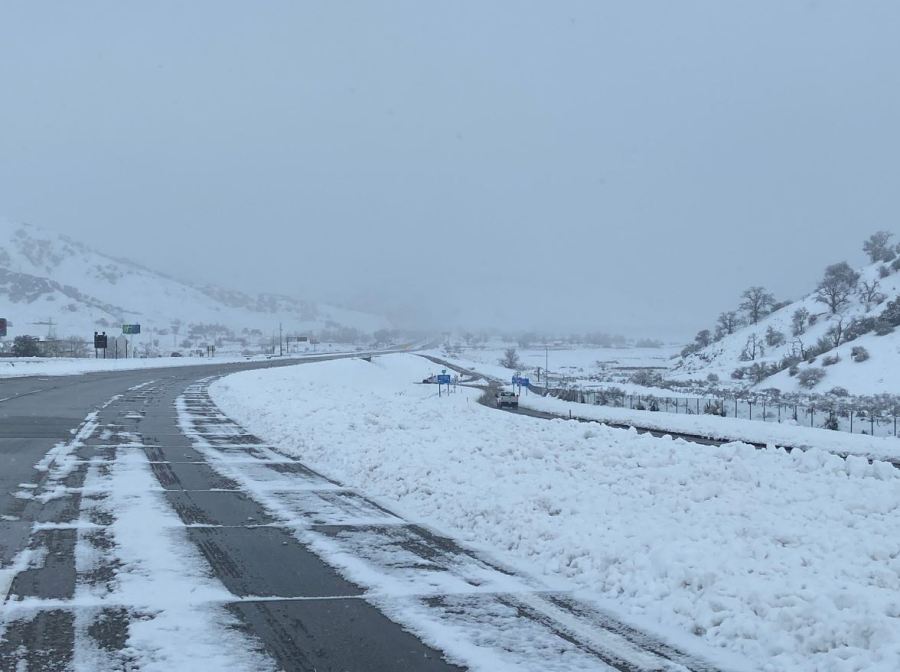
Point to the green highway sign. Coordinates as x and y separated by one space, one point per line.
131 328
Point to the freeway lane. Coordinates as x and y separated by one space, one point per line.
38 412
162 535
56 512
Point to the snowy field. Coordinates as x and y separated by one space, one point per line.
17 367
789 562
578 365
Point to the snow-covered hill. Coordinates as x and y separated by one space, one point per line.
878 374
47 277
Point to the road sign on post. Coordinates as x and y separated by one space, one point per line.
443 379
3 325
131 328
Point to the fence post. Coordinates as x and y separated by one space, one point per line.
750 406
698 405
872 422
851 421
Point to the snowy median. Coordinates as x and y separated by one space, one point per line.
789 561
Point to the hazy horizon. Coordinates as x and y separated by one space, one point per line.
622 168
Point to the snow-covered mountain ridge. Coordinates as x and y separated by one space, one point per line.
778 350
46 277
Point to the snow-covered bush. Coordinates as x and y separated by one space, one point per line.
831 423
712 379
646 377
891 313
774 338
758 372
858 327
792 371
883 328
839 392
809 378
830 360
859 354
883 271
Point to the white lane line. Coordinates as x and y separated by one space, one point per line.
16 396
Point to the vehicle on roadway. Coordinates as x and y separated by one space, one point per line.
507 398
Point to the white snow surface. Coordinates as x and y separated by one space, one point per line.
20 367
875 376
785 434
787 560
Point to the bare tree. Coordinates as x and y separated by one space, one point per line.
869 294
756 303
703 338
835 288
753 348
727 323
77 347
878 247
798 321
511 359
835 333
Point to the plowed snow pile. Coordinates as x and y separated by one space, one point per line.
788 560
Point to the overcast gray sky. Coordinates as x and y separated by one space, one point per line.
625 166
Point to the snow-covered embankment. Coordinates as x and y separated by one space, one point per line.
788 560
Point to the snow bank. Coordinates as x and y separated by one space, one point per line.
788 560
727 429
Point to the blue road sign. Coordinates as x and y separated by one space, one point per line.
444 379
518 380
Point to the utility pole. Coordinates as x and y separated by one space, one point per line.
546 370
280 342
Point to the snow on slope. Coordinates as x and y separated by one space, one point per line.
877 375
880 373
44 275
787 560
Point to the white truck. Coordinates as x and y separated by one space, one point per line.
507 398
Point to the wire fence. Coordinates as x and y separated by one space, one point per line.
838 416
